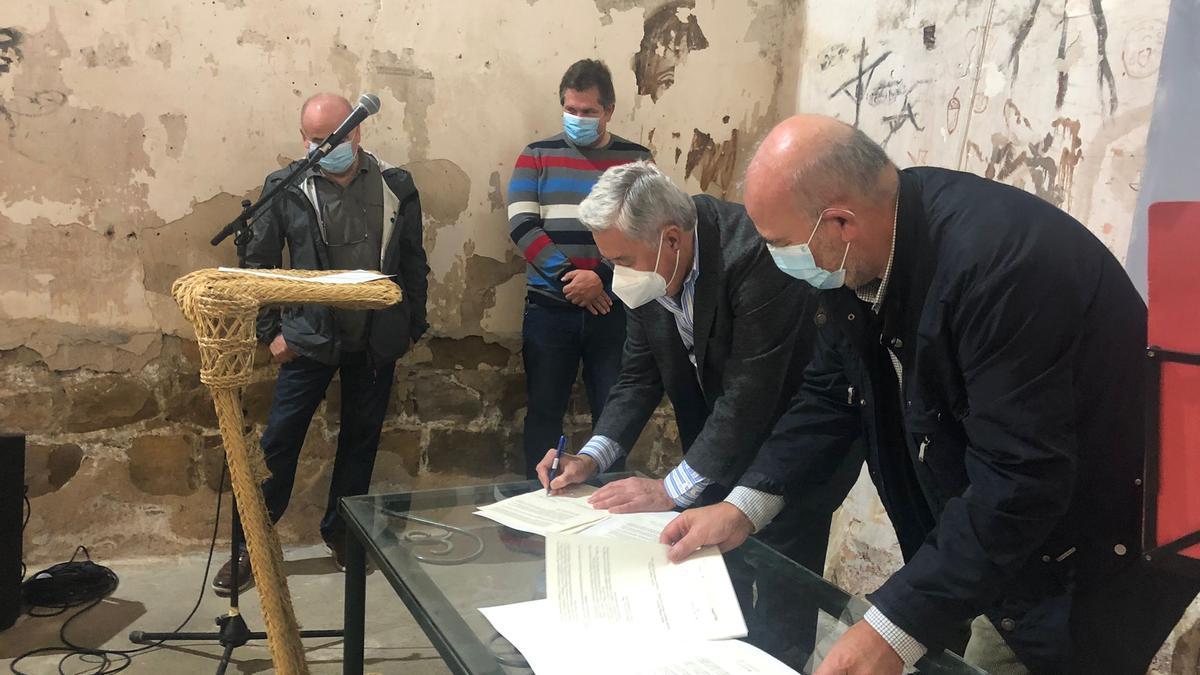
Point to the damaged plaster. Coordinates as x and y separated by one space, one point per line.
131 132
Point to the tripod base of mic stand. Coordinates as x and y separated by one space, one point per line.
233 634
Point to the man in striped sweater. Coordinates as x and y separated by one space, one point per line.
570 313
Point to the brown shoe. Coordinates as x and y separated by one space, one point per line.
336 545
223 581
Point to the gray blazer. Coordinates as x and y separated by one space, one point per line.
754 330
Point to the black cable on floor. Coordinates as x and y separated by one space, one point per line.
24 523
74 583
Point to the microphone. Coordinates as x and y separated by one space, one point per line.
368 104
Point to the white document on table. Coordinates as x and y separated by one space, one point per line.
604 583
539 513
554 648
629 526
351 277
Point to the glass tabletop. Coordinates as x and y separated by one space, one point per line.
445 563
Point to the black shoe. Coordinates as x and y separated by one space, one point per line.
223 581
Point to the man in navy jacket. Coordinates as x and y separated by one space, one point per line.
989 349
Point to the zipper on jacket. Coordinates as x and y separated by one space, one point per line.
921 451
850 395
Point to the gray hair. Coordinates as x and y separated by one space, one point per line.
847 165
639 201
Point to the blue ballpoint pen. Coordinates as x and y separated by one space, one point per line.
562 445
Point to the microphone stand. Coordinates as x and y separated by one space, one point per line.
240 226
232 631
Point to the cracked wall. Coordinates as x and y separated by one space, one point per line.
130 133
1051 96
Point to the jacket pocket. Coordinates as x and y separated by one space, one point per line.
391 331
941 450
308 329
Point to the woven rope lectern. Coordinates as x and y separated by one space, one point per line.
223 306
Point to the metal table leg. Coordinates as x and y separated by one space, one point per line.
356 607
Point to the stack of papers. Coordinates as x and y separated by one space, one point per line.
599 584
615 604
551 648
569 511
539 513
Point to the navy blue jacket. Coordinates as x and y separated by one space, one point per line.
1008 460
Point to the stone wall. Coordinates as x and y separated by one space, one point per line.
130 131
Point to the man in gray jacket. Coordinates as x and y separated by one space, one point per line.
351 212
715 325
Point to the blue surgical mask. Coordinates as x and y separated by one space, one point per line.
797 261
581 130
339 159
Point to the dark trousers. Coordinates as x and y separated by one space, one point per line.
1118 626
555 340
299 389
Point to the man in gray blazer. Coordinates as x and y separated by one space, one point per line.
715 325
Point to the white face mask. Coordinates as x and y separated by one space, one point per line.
635 287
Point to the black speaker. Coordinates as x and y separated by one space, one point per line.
12 513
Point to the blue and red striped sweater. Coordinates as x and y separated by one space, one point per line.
550 179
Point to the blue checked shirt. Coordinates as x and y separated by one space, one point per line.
683 484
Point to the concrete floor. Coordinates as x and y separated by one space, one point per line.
155 594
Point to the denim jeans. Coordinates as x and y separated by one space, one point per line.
299 389
555 341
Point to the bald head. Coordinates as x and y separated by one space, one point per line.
817 161
320 108
812 169
321 115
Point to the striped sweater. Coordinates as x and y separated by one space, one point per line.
550 179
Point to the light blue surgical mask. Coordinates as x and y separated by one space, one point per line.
797 261
581 130
339 159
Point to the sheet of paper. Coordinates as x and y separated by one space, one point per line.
553 648
543 514
529 626
629 526
602 583
351 277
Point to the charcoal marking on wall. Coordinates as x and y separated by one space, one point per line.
1104 75
861 82
666 40
713 163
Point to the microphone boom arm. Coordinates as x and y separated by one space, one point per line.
368 104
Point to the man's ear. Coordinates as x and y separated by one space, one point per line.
673 237
848 225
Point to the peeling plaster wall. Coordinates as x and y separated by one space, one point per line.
1053 96
131 131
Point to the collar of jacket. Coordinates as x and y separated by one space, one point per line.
914 261
707 284
398 187
913 265
396 179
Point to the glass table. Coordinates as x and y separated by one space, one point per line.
445 562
